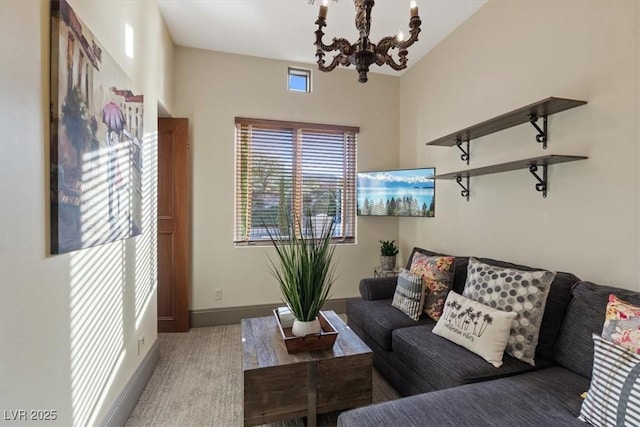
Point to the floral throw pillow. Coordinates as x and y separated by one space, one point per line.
437 278
622 324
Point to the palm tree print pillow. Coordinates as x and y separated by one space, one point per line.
477 327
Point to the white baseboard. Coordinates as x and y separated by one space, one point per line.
233 315
127 399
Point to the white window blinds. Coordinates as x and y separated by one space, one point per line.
293 169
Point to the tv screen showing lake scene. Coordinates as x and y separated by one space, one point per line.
406 192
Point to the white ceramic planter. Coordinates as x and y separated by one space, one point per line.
301 329
388 262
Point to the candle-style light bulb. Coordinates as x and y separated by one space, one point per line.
323 9
400 36
414 8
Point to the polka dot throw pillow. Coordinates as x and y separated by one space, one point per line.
522 292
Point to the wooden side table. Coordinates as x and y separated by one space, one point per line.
379 272
280 386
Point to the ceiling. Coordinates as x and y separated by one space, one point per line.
284 29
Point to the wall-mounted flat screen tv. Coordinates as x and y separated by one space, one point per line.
404 192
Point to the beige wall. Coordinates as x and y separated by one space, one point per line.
211 89
507 55
70 323
638 137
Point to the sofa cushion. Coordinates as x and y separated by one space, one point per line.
513 290
622 324
614 393
557 301
547 397
585 317
445 364
463 323
437 278
377 287
409 294
379 319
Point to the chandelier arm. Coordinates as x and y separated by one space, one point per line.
339 59
339 43
393 64
414 24
383 56
385 44
386 58
414 38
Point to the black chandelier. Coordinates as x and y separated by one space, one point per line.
363 53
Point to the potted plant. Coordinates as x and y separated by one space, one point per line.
305 273
388 252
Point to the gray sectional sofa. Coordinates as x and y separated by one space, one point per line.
448 385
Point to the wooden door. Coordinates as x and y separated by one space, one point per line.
174 231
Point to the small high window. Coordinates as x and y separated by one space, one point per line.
299 80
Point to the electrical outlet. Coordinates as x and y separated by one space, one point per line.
218 294
140 344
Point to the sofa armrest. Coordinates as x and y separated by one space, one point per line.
378 287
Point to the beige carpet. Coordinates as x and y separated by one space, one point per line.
198 382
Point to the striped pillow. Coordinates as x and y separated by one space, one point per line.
409 296
614 393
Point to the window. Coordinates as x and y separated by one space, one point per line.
299 80
293 168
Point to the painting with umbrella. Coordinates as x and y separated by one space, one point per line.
96 140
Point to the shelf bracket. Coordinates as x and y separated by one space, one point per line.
466 154
542 133
542 182
465 189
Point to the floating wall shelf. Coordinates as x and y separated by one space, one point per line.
532 164
530 113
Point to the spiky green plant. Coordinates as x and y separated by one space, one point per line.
388 248
305 273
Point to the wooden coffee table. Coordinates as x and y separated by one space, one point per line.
280 386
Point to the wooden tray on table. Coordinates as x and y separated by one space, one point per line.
314 342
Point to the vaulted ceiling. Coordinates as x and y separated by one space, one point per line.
284 29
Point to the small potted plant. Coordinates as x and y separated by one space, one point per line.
388 252
305 273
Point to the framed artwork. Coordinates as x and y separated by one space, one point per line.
96 140
403 192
